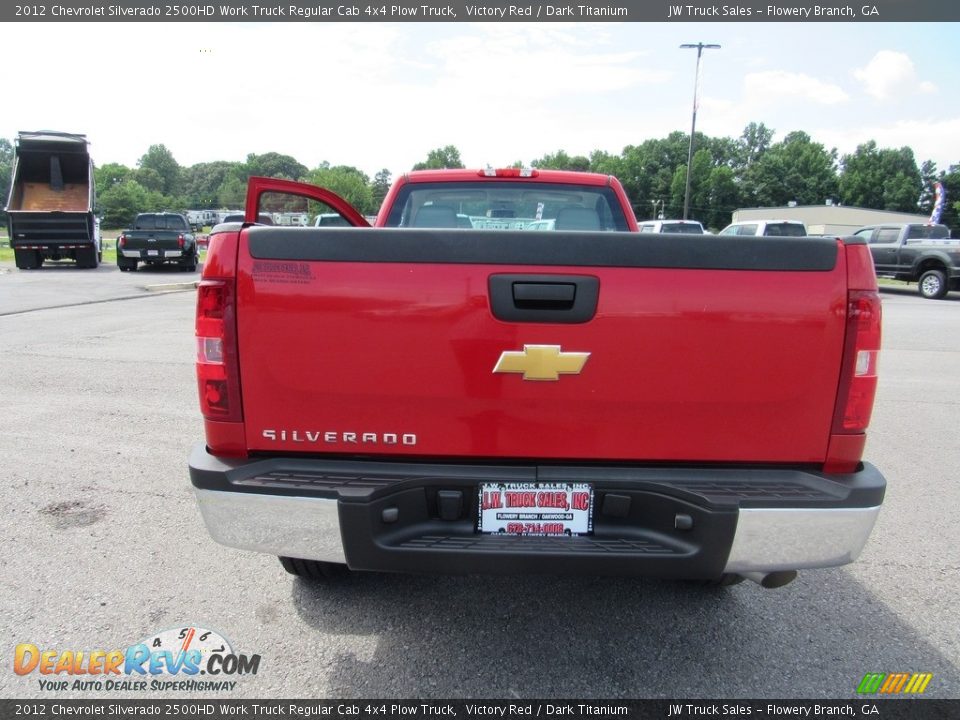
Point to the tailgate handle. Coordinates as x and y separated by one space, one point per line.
548 296
544 298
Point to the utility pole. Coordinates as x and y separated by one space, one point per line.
693 125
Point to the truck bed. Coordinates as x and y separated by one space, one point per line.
40 197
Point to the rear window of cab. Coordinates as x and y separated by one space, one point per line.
520 205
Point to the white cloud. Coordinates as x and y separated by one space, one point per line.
891 74
937 139
773 86
516 64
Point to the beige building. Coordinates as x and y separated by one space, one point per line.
828 219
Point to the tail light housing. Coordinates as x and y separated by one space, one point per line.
180 241
858 381
122 241
218 377
858 368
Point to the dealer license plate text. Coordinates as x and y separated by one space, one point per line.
536 508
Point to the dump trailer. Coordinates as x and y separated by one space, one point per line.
50 210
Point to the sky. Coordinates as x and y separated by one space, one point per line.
382 95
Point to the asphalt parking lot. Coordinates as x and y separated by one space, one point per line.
102 545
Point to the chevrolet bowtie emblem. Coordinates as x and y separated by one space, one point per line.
541 362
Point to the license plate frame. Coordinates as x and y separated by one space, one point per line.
551 509
153 253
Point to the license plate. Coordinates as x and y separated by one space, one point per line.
153 253
536 508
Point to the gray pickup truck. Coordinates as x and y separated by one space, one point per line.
157 238
915 252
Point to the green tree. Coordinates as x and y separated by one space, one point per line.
678 186
699 188
380 187
440 158
794 170
647 172
349 183
560 160
604 162
881 179
120 203
109 175
723 198
158 159
274 165
150 179
753 143
202 182
232 193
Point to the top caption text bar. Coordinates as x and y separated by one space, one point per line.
497 11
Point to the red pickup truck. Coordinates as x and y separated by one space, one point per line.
457 390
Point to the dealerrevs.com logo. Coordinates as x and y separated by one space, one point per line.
187 659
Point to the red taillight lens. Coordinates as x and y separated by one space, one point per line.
122 241
858 380
180 241
217 367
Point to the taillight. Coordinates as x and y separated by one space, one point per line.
217 367
122 241
180 241
858 379
511 172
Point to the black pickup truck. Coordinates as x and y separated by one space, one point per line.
915 252
157 238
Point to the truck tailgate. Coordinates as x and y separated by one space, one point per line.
701 349
151 239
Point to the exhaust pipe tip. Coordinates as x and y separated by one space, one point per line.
771 580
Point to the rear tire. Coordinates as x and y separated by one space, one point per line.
27 259
313 569
87 258
933 284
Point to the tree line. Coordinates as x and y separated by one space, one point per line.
726 173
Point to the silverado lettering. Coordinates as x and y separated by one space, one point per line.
668 404
330 436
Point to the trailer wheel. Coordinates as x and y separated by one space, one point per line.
933 284
313 569
27 259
